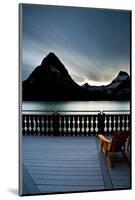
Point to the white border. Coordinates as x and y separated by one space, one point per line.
9 97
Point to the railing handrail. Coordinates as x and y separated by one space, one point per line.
75 111
115 111
60 111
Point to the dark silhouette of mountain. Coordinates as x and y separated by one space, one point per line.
51 81
118 89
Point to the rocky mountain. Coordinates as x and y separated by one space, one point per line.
51 81
118 89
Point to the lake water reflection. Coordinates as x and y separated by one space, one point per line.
76 105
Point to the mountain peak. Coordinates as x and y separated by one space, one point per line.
51 61
121 76
51 58
123 73
51 55
50 81
86 85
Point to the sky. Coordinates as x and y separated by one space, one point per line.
93 44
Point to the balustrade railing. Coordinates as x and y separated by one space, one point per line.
116 121
74 123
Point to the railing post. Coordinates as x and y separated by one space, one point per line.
55 124
101 117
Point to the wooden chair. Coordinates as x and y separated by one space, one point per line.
116 144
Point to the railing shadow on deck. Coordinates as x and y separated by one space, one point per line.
74 123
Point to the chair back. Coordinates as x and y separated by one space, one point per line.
119 140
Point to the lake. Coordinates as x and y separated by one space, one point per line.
76 105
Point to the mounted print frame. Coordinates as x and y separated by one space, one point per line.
75 99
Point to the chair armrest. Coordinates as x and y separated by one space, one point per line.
104 139
106 144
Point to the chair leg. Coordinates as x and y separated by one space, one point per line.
125 157
109 160
129 144
101 146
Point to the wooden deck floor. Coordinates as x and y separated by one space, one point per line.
68 164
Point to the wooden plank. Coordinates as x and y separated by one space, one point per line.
60 164
29 187
67 177
59 189
104 168
71 182
64 167
63 164
61 158
24 189
65 172
122 187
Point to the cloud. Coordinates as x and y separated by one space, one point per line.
94 45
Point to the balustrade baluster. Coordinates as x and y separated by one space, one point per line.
76 125
27 125
83 125
32 125
72 123
80 124
23 125
51 125
36 132
89 125
38 125
96 124
123 128
42 125
107 123
60 129
46 124
92 127
120 122
124 122
114 123
64 125
110 123
67 125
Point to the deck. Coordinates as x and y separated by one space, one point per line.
69 164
